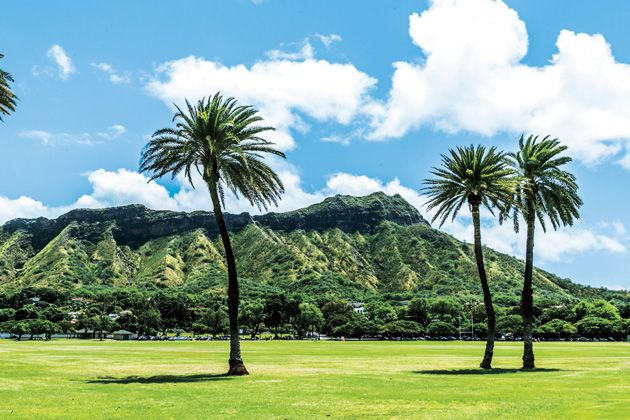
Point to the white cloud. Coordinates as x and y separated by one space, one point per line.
113 132
44 137
126 187
473 80
328 40
114 76
49 138
22 207
306 52
63 61
334 138
282 89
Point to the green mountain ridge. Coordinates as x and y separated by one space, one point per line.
350 245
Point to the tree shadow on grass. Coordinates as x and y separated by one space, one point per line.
159 379
496 371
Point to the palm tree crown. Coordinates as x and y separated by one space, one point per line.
470 174
218 139
544 191
7 97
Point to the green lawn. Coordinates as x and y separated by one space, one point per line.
91 379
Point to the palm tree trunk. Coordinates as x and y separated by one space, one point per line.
527 296
237 367
486 363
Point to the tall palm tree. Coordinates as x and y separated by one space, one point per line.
478 177
7 97
545 193
221 141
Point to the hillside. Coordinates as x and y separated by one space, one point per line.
351 245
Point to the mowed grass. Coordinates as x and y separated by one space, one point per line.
92 379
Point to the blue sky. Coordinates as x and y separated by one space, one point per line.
96 78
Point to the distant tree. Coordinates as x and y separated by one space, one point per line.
358 326
253 315
216 319
545 194
19 328
103 324
222 142
48 328
441 328
418 310
478 177
336 313
309 318
128 321
7 314
199 328
563 312
52 313
402 328
34 327
7 97
380 313
148 320
510 324
66 327
275 312
444 309
174 310
556 328
592 326
28 311
603 309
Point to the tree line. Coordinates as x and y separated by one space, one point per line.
295 315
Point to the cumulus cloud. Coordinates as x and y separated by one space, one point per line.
114 76
63 61
283 89
50 138
21 207
473 79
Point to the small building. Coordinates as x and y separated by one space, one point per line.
358 307
123 335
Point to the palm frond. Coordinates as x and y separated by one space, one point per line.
470 174
546 192
222 141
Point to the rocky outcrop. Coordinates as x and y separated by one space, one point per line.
134 225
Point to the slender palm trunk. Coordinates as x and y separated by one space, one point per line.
527 296
486 363
237 367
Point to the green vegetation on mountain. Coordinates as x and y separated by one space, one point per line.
403 257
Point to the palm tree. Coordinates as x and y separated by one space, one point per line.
7 98
478 177
221 141
544 193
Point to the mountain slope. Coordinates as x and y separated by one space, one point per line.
372 244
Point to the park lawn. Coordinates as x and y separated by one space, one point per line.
92 379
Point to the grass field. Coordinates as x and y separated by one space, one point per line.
91 379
